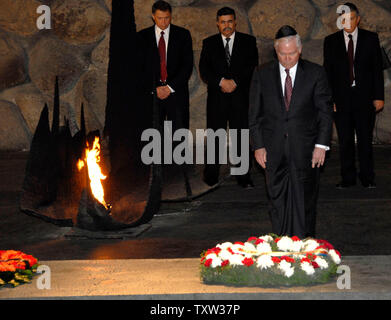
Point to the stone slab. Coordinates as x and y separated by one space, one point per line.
179 279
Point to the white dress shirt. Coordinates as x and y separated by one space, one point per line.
166 36
292 73
354 38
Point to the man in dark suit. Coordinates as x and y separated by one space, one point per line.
290 121
168 64
226 65
353 62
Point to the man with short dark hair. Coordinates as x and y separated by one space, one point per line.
290 121
168 65
353 62
227 61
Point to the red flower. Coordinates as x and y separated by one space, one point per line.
277 239
248 262
252 239
288 259
208 263
230 251
238 242
258 241
213 250
315 265
225 263
276 259
294 238
338 253
305 260
326 244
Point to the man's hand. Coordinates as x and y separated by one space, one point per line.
318 157
260 156
227 85
163 92
378 104
334 107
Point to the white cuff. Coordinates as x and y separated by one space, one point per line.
322 147
171 89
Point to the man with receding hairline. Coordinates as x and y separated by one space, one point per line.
290 119
353 62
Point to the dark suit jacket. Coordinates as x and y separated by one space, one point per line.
179 62
213 65
308 121
367 67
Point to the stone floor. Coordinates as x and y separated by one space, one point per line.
356 221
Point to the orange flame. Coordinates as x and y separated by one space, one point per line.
95 174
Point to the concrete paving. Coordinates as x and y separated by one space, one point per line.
179 279
356 221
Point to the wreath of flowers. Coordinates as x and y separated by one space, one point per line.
16 267
270 261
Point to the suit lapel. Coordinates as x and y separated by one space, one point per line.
298 85
235 47
277 79
359 47
171 46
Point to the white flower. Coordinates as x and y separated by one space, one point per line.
237 248
266 238
321 262
249 246
224 245
297 246
211 256
216 262
285 244
287 268
264 247
334 256
307 268
264 262
236 260
225 254
310 245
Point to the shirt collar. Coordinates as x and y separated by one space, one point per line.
232 37
291 70
354 33
158 31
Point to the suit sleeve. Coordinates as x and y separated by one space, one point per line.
378 77
324 106
245 74
205 65
255 113
327 61
183 76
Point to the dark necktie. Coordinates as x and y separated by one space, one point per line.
162 53
227 54
351 59
288 89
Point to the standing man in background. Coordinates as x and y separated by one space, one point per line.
168 65
353 62
227 62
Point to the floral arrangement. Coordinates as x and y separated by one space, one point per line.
270 261
16 267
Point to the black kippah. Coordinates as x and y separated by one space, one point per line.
285 31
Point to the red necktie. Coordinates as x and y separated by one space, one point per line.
162 53
288 89
351 59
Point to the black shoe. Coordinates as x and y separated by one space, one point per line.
370 185
211 181
344 185
246 184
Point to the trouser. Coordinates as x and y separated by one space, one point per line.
350 119
293 195
232 110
